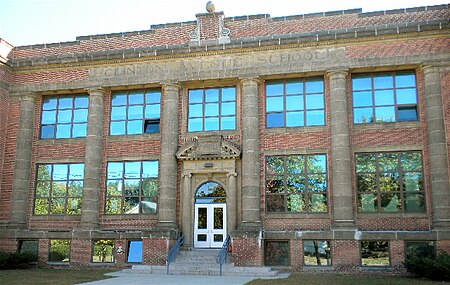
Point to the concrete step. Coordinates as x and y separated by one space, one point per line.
202 262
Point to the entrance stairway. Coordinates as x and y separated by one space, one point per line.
202 262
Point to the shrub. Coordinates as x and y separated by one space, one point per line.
15 260
435 268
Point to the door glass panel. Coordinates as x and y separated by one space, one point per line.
218 218
218 238
202 218
201 237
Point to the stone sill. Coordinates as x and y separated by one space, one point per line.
391 215
133 217
290 130
141 137
55 218
387 125
325 216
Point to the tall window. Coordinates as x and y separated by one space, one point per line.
132 187
64 116
59 189
384 97
212 109
295 103
135 112
296 184
390 182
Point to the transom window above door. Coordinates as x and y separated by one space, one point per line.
210 192
212 109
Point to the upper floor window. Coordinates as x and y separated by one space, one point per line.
132 187
296 183
135 112
212 109
64 116
390 182
295 103
59 188
384 97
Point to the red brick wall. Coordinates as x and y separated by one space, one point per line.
8 245
80 252
4 106
443 245
345 255
12 127
296 254
50 76
154 250
397 253
445 89
247 251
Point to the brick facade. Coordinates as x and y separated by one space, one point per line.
247 53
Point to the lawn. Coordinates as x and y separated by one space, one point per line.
344 279
46 276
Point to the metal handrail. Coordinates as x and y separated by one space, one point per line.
173 252
223 253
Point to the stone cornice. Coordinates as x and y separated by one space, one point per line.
241 45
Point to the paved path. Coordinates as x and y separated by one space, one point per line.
126 278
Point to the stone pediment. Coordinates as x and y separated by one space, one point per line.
209 147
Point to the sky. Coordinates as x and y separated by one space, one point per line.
28 22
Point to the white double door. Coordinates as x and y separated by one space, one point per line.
210 226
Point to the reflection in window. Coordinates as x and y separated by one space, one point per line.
295 103
59 250
135 112
212 109
210 192
134 251
384 97
132 187
316 252
420 249
375 253
64 116
296 183
59 189
103 251
29 246
390 182
276 253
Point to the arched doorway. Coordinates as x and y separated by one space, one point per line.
210 224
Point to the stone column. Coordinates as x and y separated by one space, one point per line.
437 148
231 201
341 170
168 162
22 163
250 155
186 210
93 160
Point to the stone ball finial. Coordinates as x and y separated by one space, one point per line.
210 7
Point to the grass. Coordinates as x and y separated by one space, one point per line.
345 279
44 276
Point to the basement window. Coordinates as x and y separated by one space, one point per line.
316 253
375 253
134 254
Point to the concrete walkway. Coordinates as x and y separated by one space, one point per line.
125 278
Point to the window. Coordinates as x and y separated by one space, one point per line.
276 253
384 97
390 182
132 187
103 251
296 183
64 116
316 253
135 112
375 253
295 103
59 188
421 249
134 251
29 246
212 109
59 250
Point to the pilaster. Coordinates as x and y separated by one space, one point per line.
341 171
22 163
93 160
437 147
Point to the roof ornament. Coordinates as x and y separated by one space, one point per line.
210 7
